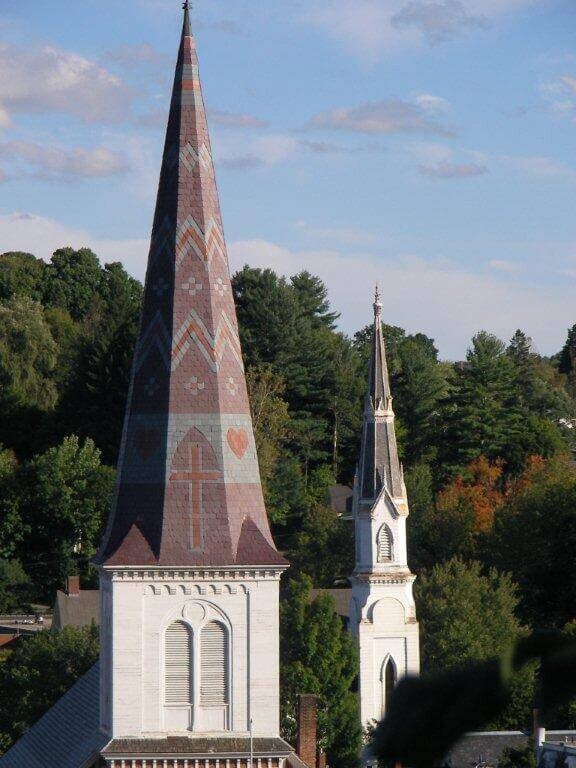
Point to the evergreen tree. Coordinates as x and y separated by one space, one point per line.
312 296
567 361
14 587
318 656
483 413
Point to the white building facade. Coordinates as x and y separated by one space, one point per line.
382 610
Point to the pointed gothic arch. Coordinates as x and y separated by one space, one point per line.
385 544
388 680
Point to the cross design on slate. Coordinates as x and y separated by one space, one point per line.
195 476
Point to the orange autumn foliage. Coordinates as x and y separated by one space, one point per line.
478 490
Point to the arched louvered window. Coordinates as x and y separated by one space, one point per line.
385 543
214 664
178 664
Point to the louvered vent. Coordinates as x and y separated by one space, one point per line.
214 664
384 544
178 664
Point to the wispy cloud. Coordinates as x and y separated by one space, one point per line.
341 235
52 80
438 21
387 116
449 170
142 55
225 119
55 163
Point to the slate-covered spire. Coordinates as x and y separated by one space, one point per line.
379 464
188 490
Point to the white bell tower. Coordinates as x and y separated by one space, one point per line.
382 611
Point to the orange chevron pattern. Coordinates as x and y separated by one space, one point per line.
212 347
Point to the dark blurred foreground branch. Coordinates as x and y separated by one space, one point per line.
429 714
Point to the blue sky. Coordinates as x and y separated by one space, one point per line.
426 144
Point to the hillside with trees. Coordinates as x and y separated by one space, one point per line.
488 446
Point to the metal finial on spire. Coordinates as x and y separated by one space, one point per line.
377 302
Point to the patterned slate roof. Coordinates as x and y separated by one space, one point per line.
196 746
379 465
188 479
68 735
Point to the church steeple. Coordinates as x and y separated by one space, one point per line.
188 490
379 465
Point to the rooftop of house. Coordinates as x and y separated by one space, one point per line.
76 610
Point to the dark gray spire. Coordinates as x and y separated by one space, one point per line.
186 29
379 464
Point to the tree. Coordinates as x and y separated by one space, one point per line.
27 354
469 616
39 671
64 497
464 614
517 757
483 414
21 274
535 539
14 586
324 548
567 361
312 296
318 656
73 278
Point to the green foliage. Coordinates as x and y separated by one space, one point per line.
21 274
567 358
73 278
324 548
14 587
318 656
465 615
62 498
28 354
39 671
535 540
517 757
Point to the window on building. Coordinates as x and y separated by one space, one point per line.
214 664
389 679
178 665
385 544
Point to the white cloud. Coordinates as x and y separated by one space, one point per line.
63 164
442 299
369 29
42 236
539 166
50 79
381 117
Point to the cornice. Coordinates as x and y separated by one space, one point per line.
256 573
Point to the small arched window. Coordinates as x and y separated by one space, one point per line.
389 679
178 664
214 664
385 544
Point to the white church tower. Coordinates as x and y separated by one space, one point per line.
382 611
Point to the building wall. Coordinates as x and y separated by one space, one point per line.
142 604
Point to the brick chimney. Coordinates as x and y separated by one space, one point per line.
73 586
307 726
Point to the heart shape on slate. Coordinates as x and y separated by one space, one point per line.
146 442
238 441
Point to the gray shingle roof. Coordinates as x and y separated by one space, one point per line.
340 596
68 735
76 610
196 746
